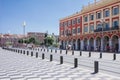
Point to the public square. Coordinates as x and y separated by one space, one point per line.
60 40
17 66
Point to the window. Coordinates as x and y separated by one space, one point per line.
106 25
91 17
106 13
66 32
73 21
62 24
74 31
78 20
62 32
91 28
115 23
85 19
65 24
98 15
115 11
86 29
69 23
99 26
78 30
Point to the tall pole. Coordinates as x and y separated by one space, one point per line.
24 25
102 22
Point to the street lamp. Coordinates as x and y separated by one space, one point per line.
24 25
102 23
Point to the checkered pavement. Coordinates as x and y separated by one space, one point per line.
14 66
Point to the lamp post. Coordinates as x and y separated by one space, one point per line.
102 23
24 25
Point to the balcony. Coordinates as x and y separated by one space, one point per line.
107 29
98 30
68 34
115 28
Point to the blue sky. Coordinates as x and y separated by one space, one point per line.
40 15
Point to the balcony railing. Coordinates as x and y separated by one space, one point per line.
115 28
107 29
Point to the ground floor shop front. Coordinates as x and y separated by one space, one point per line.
109 42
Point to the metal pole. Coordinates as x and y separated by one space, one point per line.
75 62
61 59
96 67
24 30
102 37
51 57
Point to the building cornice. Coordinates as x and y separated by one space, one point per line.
91 7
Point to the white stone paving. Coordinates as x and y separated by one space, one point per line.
14 66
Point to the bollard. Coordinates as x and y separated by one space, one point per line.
38 49
43 56
55 51
51 57
114 56
75 62
100 55
66 51
80 53
24 52
89 54
41 49
61 59
96 67
27 52
51 50
36 54
60 51
31 53
44 50
47 50
21 51
16 50
72 52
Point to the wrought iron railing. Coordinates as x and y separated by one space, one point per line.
107 29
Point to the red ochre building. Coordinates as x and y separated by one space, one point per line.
95 27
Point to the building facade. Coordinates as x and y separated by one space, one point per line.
95 27
37 35
10 39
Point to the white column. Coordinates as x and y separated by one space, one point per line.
76 46
110 16
82 44
101 44
88 44
88 24
94 20
110 43
119 45
119 15
94 44
63 44
67 42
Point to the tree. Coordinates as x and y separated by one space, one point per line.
49 41
20 41
26 41
32 40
